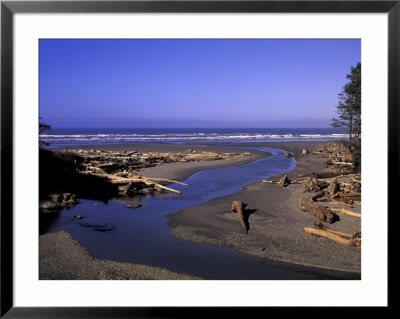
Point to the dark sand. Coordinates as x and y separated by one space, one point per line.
276 226
62 258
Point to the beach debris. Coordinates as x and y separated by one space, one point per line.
318 196
353 240
120 167
333 187
339 156
350 197
96 205
57 202
313 184
239 207
166 180
341 203
307 204
78 217
330 174
345 212
124 163
284 181
288 154
305 151
135 184
280 182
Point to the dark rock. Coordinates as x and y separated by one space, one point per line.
133 206
57 202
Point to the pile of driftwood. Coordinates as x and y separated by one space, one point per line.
338 156
120 167
137 184
340 188
124 163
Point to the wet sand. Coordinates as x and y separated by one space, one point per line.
62 258
276 225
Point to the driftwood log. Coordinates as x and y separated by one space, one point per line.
239 207
284 181
354 240
321 226
341 203
140 181
318 195
329 174
306 204
345 212
333 187
350 196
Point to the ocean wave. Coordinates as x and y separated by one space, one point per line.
78 138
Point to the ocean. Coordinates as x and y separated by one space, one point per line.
70 137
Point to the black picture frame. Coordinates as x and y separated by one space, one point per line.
9 8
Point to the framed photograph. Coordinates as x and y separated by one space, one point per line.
165 157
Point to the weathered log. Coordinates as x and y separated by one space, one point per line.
341 203
284 181
123 180
270 181
345 212
166 180
318 195
333 187
350 196
325 215
239 207
168 188
349 242
292 181
342 163
321 226
311 184
328 175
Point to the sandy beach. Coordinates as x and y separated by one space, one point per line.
276 225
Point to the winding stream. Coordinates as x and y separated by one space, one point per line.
141 235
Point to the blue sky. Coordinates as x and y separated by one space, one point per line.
188 83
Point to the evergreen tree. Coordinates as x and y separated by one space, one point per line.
349 111
349 106
43 127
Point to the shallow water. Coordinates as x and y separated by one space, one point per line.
141 235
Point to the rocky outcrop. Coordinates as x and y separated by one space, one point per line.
57 202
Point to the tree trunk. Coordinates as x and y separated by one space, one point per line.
333 187
322 213
239 207
284 181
